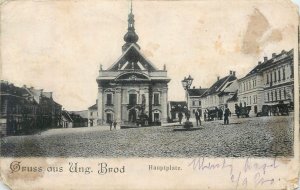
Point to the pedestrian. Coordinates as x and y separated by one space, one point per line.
180 116
226 114
115 124
110 124
187 115
197 116
205 115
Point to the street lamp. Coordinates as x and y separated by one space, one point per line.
186 83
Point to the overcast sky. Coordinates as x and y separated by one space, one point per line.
59 45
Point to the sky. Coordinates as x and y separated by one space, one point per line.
59 45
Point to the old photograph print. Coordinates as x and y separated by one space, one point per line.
148 79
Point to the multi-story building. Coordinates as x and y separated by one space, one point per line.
194 99
251 89
218 94
132 85
268 83
278 74
23 111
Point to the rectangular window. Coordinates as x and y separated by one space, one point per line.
199 103
284 93
267 78
250 100
279 76
156 99
108 99
275 77
193 103
91 113
275 95
271 77
268 96
272 96
283 73
132 99
279 94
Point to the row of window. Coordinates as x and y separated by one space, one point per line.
251 99
278 94
275 76
133 99
247 85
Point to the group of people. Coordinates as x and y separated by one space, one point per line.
198 116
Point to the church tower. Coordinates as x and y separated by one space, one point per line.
132 88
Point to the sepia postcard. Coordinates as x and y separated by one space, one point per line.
149 94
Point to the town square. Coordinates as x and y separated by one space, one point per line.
245 137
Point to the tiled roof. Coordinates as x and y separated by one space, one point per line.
93 107
269 62
66 115
196 91
234 98
217 86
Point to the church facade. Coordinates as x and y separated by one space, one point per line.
132 86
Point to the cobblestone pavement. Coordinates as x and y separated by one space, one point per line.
258 137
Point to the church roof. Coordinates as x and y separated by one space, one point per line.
132 59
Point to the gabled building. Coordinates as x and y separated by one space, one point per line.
93 115
218 94
132 85
194 99
66 120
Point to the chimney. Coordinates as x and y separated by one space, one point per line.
24 86
230 72
259 62
233 73
51 94
265 59
218 78
200 87
194 87
273 55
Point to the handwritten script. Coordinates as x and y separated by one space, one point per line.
252 171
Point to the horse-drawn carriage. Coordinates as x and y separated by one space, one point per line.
214 113
277 109
242 111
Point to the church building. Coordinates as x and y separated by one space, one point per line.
132 86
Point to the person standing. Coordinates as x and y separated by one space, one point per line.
197 116
180 116
226 115
110 124
115 124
